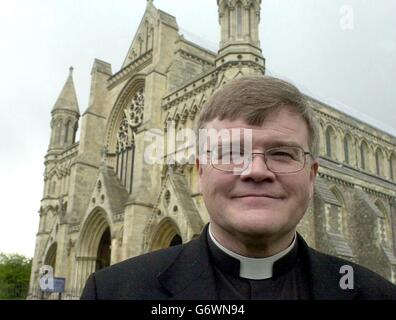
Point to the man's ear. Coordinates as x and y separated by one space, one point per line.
312 176
314 169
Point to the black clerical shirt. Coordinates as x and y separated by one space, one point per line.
288 282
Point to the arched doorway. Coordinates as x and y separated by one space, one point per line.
94 247
166 235
104 251
176 241
50 258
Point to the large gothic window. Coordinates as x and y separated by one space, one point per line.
125 149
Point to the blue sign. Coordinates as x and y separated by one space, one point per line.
55 285
59 285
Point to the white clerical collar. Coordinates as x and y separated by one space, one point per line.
254 268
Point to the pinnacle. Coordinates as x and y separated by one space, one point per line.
67 99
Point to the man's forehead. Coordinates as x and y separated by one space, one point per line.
270 132
278 117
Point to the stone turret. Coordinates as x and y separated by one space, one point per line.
239 44
65 116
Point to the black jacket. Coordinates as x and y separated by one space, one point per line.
184 272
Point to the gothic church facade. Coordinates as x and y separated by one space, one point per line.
104 203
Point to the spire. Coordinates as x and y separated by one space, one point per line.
67 99
65 116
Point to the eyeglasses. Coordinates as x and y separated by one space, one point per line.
279 160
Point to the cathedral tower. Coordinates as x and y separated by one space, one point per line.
239 44
65 116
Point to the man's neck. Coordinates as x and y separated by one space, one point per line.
254 247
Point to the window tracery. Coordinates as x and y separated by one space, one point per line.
125 147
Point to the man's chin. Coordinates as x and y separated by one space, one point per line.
258 227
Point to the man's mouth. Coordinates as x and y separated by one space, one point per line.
258 196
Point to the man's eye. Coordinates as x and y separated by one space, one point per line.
282 155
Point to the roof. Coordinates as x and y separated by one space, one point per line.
67 99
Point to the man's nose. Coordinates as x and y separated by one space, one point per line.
257 170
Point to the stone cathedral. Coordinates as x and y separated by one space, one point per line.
103 203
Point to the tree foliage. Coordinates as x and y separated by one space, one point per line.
14 276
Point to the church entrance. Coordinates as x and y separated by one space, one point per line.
50 259
176 241
104 251
166 235
93 249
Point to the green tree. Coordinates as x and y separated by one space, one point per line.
14 276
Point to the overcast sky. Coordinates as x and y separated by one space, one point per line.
350 64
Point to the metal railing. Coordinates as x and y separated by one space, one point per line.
37 294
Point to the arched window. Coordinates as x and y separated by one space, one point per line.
379 162
67 130
392 166
336 213
364 150
59 132
347 147
330 142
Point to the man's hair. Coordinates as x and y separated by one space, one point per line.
253 98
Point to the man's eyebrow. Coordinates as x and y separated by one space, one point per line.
282 143
267 145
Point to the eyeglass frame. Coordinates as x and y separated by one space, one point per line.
305 153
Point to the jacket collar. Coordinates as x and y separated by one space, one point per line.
324 275
190 276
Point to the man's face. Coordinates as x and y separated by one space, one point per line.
260 203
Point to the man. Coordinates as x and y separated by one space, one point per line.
257 182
